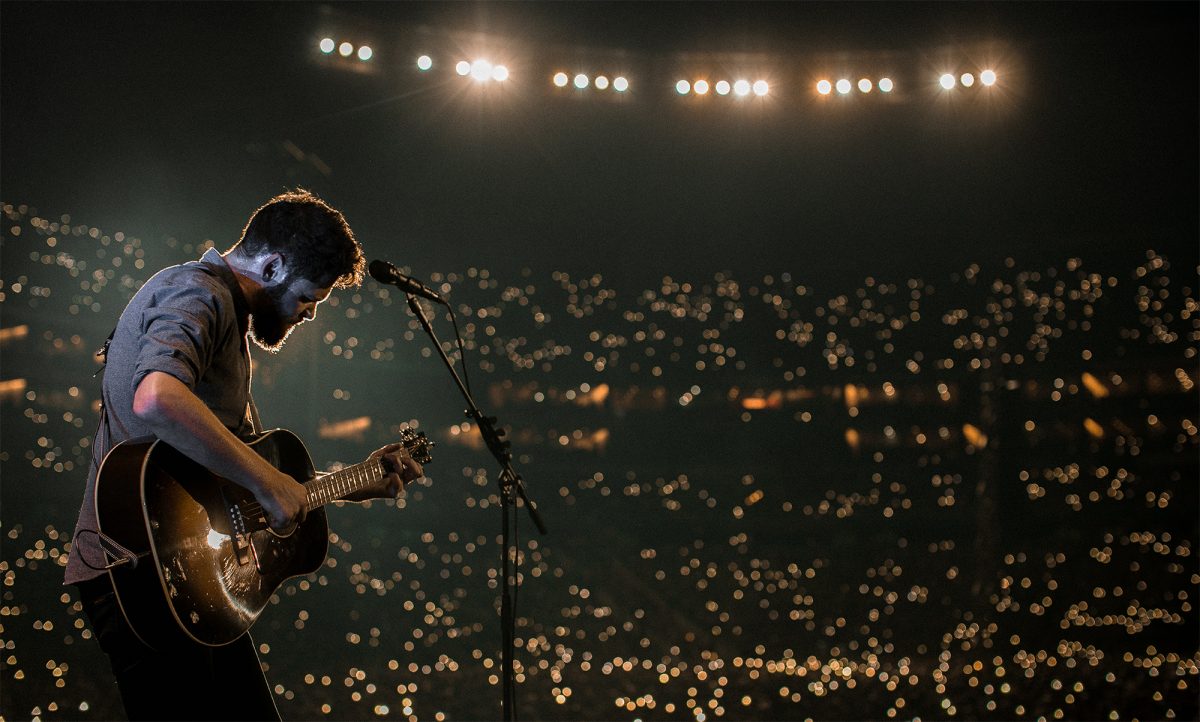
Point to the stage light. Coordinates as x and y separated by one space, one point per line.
761 88
988 77
481 70
620 84
561 80
682 87
722 87
741 88
843 86
462 67
947 81
346 49
824 87
424 62
365 53
327 45
581 81
864 85
500 73
967 80
700 87
601 82
886 85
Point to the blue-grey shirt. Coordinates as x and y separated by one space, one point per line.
189 321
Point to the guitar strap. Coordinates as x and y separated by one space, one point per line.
255 420
113 549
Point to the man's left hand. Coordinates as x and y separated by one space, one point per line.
400 468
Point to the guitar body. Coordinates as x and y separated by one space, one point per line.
207 563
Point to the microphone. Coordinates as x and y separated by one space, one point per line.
385 272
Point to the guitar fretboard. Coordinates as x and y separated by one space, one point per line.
343 482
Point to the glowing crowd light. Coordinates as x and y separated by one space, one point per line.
700 87
741 88
327 45
761 88
601 82
462 67
967 80
561 80
683 87
723 87
346 49
620 84
988 77
824 87
424 62
581 81
843 86
365 53
947 81
885 85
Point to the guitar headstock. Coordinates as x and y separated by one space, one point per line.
417 445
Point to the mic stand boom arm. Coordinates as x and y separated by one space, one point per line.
510 482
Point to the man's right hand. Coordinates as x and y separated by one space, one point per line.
283 500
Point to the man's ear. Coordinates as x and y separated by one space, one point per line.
272 268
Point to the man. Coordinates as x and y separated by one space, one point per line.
178 368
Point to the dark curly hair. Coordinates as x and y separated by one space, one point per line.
313 237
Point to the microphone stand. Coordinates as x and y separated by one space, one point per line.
510 483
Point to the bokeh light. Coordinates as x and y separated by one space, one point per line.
561 79
424 62
988 77
723 87
601 82
864 85
967 80
327 45
700 87
621 84
462 67
683 87
843 86
947 81
346 49
741 88
365 53
886 85
761 88
500 73
581 81
481 70
824 87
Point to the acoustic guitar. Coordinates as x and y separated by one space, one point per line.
203 561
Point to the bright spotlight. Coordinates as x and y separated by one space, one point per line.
346 49
700 86
365 53
424 62
864 85
988 77
741 88
947 81
561 80
843 86
581 81
620 84
481 70
682 87
824 87
886 85
722 87
967 80
500 73
601 82
761 88
327 45
462 67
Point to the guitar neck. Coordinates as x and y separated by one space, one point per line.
342 483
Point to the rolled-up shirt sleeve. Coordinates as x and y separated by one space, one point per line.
178 332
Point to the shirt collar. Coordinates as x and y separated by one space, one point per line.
213 259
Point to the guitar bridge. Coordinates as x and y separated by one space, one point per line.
243 548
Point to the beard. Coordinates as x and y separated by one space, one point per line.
268 329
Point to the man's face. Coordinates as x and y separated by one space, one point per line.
282 307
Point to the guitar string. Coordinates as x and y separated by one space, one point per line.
330 482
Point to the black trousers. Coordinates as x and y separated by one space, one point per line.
185 682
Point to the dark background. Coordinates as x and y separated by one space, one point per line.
747 521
